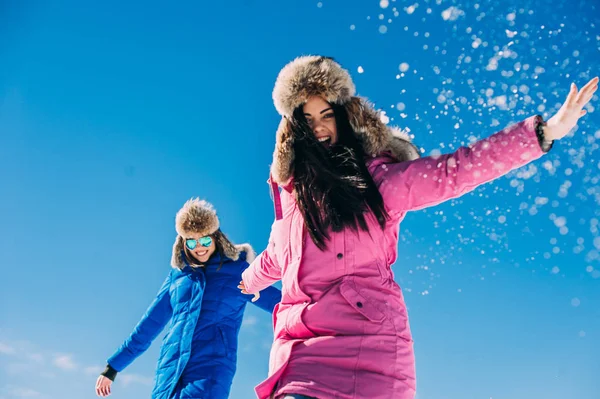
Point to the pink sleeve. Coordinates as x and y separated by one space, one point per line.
431 180
262 272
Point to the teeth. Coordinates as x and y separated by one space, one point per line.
323 139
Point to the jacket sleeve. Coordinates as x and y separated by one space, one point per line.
263 271
269 297
148 328
429 181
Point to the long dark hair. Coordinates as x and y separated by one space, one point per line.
333 186
217 237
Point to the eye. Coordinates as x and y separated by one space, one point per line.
329 115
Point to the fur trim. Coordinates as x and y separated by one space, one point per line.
283 156
247 248
177 257
320 76
401 147
196 217
309 76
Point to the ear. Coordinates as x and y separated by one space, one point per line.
366 122
283 156
177 260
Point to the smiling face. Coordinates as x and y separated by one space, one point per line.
321 119
200 253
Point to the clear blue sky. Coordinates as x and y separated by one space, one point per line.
113 114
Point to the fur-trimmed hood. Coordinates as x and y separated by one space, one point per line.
309 76
199 217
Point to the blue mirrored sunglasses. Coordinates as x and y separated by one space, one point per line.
206 242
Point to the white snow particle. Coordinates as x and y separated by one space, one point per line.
452 13
560 221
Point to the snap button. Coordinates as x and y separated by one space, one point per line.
340 256
359 304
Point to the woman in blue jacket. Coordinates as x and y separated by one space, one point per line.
200 301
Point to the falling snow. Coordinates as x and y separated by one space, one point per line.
452 13
476 81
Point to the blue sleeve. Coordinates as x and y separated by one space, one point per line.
269 297
148 328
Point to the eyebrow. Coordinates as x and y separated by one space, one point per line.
322 112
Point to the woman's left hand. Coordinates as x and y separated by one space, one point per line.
243 288
567 116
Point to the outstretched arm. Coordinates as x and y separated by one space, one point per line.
262 272
431 180
148 328
269 297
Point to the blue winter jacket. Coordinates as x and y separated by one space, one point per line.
205 310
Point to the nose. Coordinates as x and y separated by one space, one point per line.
318 127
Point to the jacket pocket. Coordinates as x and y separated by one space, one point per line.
224 342
359 302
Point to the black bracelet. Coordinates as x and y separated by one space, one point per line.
545 145
109 373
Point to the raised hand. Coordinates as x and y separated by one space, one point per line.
561 123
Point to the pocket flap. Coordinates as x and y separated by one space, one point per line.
362 304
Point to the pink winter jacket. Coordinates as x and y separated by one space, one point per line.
341 329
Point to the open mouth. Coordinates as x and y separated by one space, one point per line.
202 253
325 140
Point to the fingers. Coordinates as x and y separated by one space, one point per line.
587 92
256 296
103 386
570 101
242 287
106 390
98 386
590 84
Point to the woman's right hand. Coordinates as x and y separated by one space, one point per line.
242 287
103 386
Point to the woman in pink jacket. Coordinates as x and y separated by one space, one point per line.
341 329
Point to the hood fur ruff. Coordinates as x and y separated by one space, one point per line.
199 217
309 76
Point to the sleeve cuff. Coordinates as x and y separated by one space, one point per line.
545 145
109 373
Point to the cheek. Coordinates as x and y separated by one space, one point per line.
212 249
333 127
